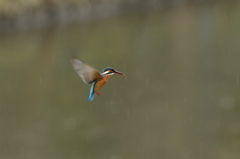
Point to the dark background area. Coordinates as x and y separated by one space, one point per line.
178 100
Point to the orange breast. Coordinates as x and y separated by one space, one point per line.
100 83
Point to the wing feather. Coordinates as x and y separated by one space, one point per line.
87 73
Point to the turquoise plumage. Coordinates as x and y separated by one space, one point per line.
91 95
91 76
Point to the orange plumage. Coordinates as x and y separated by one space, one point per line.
91 76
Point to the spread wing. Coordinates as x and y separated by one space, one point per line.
87 73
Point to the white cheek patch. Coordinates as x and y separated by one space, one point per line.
105 72
111 73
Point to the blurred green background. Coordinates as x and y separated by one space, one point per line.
178 100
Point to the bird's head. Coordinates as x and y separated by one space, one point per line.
110 71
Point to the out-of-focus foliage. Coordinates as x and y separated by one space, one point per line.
25 14
18 7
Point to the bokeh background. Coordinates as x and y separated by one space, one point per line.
178 100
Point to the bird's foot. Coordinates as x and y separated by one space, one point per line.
98 94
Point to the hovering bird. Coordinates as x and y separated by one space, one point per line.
90 75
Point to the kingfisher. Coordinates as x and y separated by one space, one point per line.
90 75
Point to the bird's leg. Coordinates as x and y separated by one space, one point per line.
98 93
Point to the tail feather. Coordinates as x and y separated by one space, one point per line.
91 95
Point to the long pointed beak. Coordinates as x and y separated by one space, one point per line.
120 73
